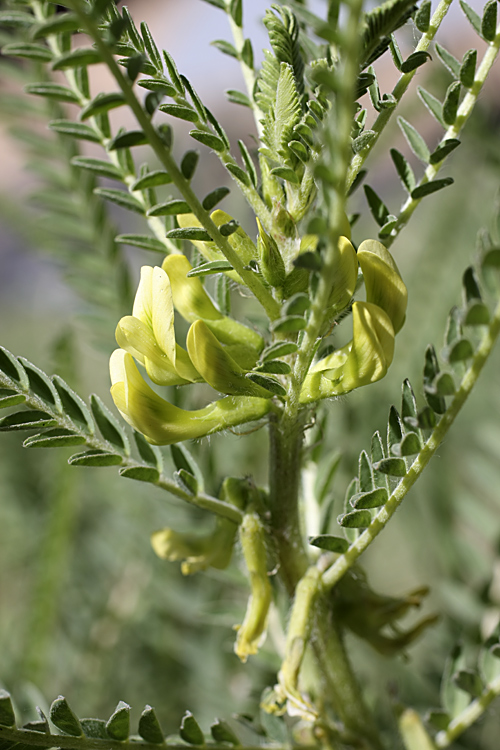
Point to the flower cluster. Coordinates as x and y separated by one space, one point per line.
219 352
222 352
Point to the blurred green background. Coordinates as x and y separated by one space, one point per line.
87 610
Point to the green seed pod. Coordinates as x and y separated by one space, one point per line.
216 366
252 632
271 263
383 282
162 423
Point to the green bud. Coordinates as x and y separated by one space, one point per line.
283 222
163 423
197 552
271 263
383 282
252 632
216 366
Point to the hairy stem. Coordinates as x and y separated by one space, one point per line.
463 114
347 560
399 90
469 715
252 281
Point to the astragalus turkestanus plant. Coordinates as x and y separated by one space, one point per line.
237 329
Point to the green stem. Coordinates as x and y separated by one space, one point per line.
463 114
338 141
469 715
341 685
251 280
286 437
399 90
248 73
67 742
347 560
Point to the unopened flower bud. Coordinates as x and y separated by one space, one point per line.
197 552
271 263
252 633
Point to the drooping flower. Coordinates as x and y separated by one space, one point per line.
163 423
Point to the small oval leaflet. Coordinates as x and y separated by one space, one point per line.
289 324
279 349
26 420
103 102
64 719
190 730
356 519
121 198
55 438
149 727
170 208
393 467
269 383
144 241
222 732
95 458
127 140
330 543
141 473
150 454
151 179
373 499
210 268
109 427
118 725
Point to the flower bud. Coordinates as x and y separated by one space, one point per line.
271 263
162 423
383 282
252 633
216 366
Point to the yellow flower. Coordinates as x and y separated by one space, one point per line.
163 423
148 334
